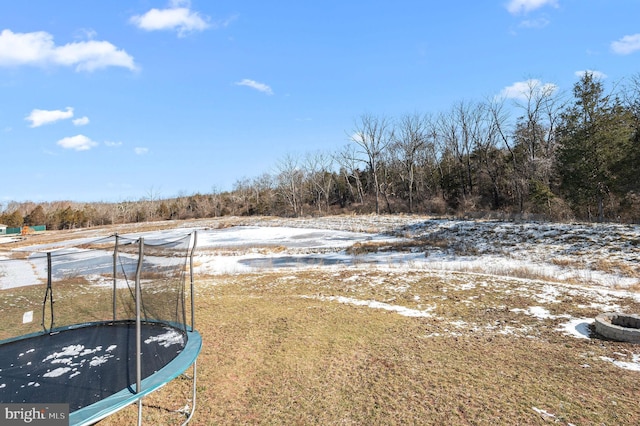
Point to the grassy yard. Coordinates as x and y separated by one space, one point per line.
280 348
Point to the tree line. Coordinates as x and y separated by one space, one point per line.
562 157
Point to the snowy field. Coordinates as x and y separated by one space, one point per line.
546 262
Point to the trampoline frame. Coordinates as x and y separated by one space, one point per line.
187 357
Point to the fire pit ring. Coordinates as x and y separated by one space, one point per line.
620 327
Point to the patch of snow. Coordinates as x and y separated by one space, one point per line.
577 327
73 350
544 413
633 365
604 307
57 372
404 311
90 351
509 330
549 294
6 239
170 337
99 360
62 361
466 286
538 312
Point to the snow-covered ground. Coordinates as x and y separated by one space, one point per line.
606 255
598 261
596 254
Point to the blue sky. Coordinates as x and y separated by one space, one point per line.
119 100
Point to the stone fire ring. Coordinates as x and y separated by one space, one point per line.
620 327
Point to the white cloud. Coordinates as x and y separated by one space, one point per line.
38 117
596 74
178 16
113 144
92 55
39 49
78 142
82 121
627 44
261 87
523 89
141 151
516 7
534 23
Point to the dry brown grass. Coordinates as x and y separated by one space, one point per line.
75 302
18 255
414 244
635 287
566 262
617 267
272 356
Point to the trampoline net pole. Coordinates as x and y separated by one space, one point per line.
50 284
194 393
193 249
115 272
138 321
48 295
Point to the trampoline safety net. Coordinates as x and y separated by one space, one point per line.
95 281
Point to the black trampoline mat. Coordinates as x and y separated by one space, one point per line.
83 365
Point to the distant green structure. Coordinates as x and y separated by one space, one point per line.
23 230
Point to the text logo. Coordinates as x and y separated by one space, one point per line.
34 414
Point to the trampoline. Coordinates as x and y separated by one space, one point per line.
100 367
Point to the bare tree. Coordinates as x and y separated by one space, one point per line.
412 134
318 167
263 187
149 203
348 160
458 131
243 189
487 156
216 202
373 134
289 182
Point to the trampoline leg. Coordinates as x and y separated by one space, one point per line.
193 408
140 412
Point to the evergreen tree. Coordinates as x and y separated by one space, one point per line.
12 220
593 135
630 164
36 217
